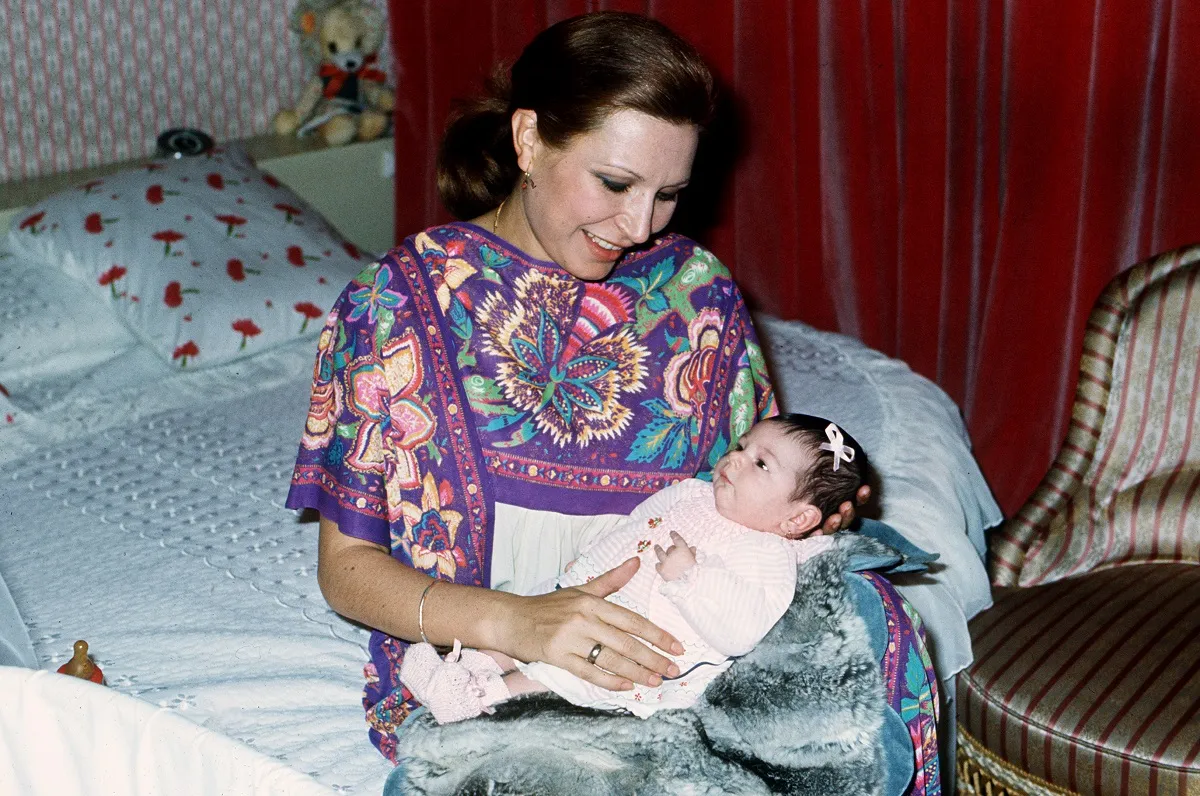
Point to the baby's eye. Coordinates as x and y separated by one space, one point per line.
760 463
613 185
737 446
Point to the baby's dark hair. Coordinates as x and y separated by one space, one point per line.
821 485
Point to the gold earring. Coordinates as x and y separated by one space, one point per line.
528 182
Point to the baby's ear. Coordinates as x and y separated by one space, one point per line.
805 521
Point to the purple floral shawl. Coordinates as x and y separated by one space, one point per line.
457 369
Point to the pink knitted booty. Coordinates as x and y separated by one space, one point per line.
487 676
443 686
463 685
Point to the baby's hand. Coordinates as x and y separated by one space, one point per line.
676 559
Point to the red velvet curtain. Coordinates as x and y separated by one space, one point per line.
951 182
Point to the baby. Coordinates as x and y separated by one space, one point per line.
724 572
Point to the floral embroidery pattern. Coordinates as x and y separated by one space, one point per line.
690 372
431 531
446 267
368 300
569 382
911 683
325 402
673 430
401 419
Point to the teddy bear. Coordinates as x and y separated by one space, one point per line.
348 97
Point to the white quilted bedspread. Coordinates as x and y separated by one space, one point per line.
166 546
153 526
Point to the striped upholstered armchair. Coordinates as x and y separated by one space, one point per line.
1087 669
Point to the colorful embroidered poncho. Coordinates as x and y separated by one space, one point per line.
456 369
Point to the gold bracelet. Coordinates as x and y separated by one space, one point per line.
421 610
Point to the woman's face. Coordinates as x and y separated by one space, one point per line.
605 191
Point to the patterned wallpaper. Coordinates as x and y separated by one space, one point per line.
89 82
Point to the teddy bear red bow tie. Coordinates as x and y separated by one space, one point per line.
338 77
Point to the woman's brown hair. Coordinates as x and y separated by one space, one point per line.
572 75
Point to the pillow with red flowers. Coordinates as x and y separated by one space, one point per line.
205 258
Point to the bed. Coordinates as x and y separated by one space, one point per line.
147 437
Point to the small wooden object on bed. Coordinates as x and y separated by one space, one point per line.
81 665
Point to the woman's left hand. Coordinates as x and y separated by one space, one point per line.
845 512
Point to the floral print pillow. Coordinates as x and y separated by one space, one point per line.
206 258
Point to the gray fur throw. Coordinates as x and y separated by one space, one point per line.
802 713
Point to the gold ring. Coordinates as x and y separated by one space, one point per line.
595 653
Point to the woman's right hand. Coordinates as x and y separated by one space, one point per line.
561 628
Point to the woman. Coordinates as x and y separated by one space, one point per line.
495 393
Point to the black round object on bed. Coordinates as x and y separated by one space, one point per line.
182 141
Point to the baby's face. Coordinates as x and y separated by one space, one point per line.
753 482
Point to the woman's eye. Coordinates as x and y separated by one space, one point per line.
614 186
666 197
